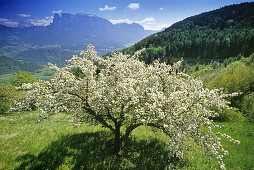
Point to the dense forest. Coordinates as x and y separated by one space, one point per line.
219 34
9 65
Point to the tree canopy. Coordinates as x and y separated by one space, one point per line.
122 93
21 77
235 77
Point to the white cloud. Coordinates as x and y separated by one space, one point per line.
8 22
149 24
107 8
11 23
3 19
24 15
117 21
161 9
42 22
133 6
51 17
146 21
57 11
155 27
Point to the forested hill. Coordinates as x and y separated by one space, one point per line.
219 34
9 65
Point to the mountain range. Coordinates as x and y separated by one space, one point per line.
70 33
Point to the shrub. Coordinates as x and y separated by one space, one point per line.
235 77
21 77
248 106
4 106
7 95
215 65
230 115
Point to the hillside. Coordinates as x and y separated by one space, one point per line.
9 65
218 34
55 55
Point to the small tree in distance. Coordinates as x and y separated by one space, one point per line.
123 93
21 77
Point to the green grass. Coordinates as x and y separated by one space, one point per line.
44 73
241 156
55 144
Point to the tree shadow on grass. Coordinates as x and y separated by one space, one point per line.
95 150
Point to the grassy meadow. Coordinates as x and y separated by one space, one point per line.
55 144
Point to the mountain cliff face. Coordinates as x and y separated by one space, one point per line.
84 28
69 29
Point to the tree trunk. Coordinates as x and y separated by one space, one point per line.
118 140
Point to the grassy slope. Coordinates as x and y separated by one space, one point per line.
55 143
241 155
4 78
44 74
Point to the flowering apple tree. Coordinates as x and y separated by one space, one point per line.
121 91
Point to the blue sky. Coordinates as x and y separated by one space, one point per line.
151 14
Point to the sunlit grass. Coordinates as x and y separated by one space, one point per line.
55 144
241 156
20 135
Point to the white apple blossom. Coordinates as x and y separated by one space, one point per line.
121 91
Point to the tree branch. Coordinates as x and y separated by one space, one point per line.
70 93
74 94
98 117
154 125
159 127
130 129
111 117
